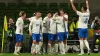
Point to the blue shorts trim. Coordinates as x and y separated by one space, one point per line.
60 36
19 38
83 33
36 37
51 37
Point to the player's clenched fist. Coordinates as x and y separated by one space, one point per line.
71 0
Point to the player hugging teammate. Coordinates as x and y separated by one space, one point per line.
54 28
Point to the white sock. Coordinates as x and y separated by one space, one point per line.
62 47
65 47
38 48
33 47
19 48
81 46
44 48
49 48
40 45
16 48
56 47
87 44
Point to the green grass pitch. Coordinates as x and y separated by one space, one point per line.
28 54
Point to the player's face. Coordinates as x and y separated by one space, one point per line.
61 12
49 15
24 16
38 14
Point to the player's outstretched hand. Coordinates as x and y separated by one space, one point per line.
86 1
71 0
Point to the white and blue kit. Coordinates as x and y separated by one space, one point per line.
45 29
60 28
35 28
52 30
83 24
66 27
19 30
49 28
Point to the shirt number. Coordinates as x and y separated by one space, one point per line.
86 21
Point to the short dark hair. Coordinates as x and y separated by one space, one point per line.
37 11
59 11
84 7
21 13
50 12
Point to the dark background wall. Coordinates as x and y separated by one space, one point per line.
94 4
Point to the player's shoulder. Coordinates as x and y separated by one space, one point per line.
19 19
33 17
78 12
45 17
40 18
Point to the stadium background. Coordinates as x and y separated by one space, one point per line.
11 9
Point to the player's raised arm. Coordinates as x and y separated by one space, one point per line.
73 6
87 4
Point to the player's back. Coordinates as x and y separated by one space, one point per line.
83 19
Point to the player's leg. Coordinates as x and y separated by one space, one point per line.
61 44
81 35
56 43
65 45
50 39
17 44
37 43
56 47
33 43
49 43
65 41
81 46
87 45
16 48
85 40
45 40
20 43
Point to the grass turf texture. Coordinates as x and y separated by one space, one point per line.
68 54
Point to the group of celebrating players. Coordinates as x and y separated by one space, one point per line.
55 27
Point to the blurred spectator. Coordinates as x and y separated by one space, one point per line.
73 29
10 36
96 26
